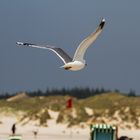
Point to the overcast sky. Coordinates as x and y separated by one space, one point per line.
113 61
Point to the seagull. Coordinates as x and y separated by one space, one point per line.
77 62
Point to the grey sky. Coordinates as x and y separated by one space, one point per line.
113 60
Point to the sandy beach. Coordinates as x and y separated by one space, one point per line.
53 131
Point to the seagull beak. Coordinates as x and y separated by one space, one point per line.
62 66
66 67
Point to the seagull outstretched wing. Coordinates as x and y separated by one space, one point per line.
80 51
61 53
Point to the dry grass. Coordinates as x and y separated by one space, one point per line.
104 107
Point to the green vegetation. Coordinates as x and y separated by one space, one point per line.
80 93
104 107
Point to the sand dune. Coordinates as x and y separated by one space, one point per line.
53 131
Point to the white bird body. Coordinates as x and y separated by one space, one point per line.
77 62
74 66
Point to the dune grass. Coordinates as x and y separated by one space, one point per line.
103 105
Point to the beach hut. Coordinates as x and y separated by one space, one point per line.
103 132
15 137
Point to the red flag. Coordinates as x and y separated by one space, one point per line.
69 103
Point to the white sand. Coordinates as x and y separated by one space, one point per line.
53 131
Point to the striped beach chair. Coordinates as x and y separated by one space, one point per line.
103 132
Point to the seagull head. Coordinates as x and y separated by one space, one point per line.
73 66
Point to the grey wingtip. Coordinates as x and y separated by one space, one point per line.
102 23
24 44
19 43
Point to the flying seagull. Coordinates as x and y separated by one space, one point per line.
77 62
